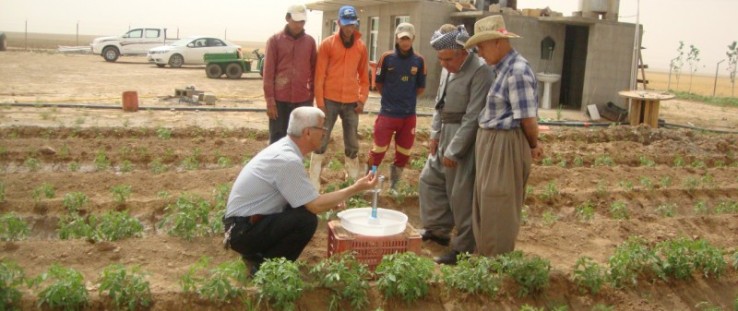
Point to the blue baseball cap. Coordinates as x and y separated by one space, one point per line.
347 16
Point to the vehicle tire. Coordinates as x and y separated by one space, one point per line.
110 54
160 65
3 42
214 71
234 71
176 61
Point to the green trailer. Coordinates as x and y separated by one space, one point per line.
232 65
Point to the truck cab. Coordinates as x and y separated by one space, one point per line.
136 41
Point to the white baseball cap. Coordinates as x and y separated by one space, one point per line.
298 12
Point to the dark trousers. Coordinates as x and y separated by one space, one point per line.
278 127
278 235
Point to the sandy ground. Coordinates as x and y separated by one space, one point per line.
60 137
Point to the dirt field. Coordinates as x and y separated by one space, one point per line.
205 149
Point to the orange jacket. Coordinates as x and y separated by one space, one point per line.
341 74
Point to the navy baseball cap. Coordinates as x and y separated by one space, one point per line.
347 16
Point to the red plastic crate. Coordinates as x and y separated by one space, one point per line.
368 249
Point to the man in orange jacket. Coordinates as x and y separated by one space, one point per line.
341 89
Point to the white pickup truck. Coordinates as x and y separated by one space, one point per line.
136 41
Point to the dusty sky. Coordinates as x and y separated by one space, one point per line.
709 25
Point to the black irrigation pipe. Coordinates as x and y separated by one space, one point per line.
424 114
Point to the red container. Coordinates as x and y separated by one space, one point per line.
368 249
130 101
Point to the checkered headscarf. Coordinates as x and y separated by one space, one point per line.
450 40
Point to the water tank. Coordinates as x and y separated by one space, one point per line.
597 6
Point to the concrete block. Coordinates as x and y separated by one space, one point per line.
209 98
494 8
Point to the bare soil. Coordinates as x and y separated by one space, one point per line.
59 136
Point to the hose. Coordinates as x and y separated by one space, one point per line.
424 114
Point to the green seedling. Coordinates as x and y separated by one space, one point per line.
188 217
164 133
549 192
585 211
2 192
604 160
74 226
601 307
335 165
121 193
578 161
419 162
549 217
562 163
101 161
701 208
626 185
220 285
346 278
646 183
708 180
619 210
601 189
588 275
13 227
645 161
280 282
680 257
631 260
45 190
192 161
66 291
12 277
126 289
725 207
531 274
224 162
126 166
665 181
698 164
32 164
678 161
74 201
74 166
691 183
113 226
473 275
547 161
666 209
157 167
404 275
357 201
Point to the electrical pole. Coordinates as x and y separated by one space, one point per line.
714 87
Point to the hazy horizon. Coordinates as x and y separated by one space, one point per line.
665 23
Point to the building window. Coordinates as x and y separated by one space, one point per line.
373 34
334 26
400 20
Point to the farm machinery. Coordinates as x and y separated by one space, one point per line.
232 64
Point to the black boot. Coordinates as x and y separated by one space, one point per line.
427 235
447 259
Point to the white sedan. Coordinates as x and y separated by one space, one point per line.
189 51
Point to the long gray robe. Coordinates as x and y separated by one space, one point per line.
445 193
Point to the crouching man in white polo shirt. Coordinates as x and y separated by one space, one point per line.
272 209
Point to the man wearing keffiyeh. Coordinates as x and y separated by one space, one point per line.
448 176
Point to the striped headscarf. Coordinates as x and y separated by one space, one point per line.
451 39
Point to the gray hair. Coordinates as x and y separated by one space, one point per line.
302 118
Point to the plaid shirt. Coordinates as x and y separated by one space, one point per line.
512 95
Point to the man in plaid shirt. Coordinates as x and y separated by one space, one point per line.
507 140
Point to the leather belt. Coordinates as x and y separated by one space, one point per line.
452 117
253 219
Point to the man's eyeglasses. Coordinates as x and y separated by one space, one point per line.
319 128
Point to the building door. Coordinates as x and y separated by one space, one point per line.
575 63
